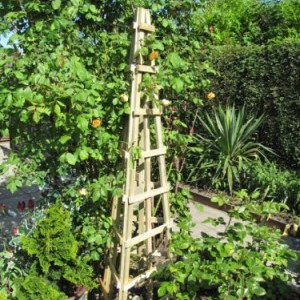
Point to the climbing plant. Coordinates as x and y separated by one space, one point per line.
64 86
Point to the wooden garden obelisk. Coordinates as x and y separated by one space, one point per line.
140 238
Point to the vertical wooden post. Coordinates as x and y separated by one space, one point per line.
133 224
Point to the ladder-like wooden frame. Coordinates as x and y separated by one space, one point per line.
140 193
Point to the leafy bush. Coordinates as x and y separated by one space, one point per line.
266 80
246 261
227 141
247 22
280 185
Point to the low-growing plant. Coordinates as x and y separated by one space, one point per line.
10 270
245 261
281 185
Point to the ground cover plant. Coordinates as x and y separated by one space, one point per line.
246 261
279 185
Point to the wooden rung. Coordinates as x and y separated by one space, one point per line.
156 152
144 276
147 112
139 279
147 27
148 234
154 220
145 69
149 194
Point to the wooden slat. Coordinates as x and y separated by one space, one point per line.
146 235
113 271
155 152
140 197
139 278
147 112
147 27
145 275
145 69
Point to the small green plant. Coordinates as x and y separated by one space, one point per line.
227 141
282 185
11 268
37 287
245 261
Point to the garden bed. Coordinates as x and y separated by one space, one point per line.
282 221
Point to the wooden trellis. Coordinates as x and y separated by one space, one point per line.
140 237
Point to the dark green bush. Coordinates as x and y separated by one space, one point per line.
283 186
266 79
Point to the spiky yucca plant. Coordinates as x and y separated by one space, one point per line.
228 143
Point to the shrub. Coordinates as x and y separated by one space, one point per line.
36 287
266 80
247 22
53 251
245 261
227 141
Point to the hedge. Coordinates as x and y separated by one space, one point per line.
267 79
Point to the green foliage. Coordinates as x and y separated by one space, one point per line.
64 68
244 262
54 252
36 287
227 140
247 22
265 79
3 295
52 243
11 267
280 185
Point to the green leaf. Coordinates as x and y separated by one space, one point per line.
165 23
36 116
259 291
82 123
56 4
96 195
157 45
64 139
71 159
177 84
57 109
175 60
83 154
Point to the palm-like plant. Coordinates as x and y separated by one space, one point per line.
227 141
